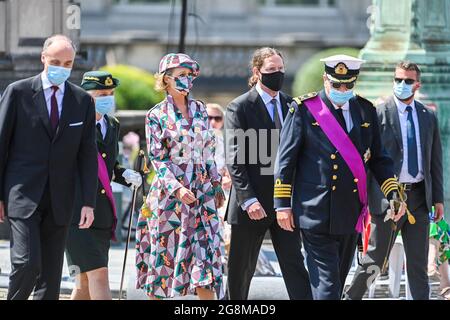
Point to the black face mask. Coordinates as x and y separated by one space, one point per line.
273 81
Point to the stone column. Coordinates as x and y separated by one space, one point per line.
24 25
417 30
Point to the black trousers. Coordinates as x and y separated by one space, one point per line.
329 258
245 244
415 241
37 254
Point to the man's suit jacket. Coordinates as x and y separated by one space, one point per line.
249 113
31 155
430 141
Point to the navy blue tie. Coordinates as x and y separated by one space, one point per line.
413 165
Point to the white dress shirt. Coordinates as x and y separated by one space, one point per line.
405 177
103 126
48 92
347 115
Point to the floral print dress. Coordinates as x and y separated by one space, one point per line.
178 245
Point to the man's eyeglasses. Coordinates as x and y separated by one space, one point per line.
407 81
337 85
216 118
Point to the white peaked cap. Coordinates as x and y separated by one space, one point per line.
352 63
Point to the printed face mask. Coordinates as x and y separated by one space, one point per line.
183 83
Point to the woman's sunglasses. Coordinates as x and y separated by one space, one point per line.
216 118
337 85
407 81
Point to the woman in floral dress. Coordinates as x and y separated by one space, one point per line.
178 238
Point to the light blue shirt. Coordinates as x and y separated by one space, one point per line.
267 98
405 177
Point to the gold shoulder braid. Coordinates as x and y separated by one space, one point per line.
299 100
392 185
403 197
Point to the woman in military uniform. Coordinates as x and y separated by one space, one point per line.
87 249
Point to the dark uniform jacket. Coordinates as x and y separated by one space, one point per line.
249 113
325 196
391 137
109 150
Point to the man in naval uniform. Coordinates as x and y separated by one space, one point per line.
329 141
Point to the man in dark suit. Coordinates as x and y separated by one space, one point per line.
328 142
47 138
258 115
410 134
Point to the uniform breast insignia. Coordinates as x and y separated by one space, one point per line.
365 125
367 155
316 124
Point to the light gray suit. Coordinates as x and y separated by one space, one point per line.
420 200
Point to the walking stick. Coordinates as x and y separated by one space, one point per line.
135 190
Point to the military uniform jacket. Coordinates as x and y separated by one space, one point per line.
109 150
322 190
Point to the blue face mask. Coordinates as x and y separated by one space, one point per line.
402 90
104 105
57 75
340 98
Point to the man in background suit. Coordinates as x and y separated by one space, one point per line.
47 138
410 134
250 211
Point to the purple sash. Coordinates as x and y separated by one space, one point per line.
106 183
345 147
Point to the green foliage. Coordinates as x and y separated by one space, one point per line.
136 90
309 76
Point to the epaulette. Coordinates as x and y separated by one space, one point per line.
299 100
